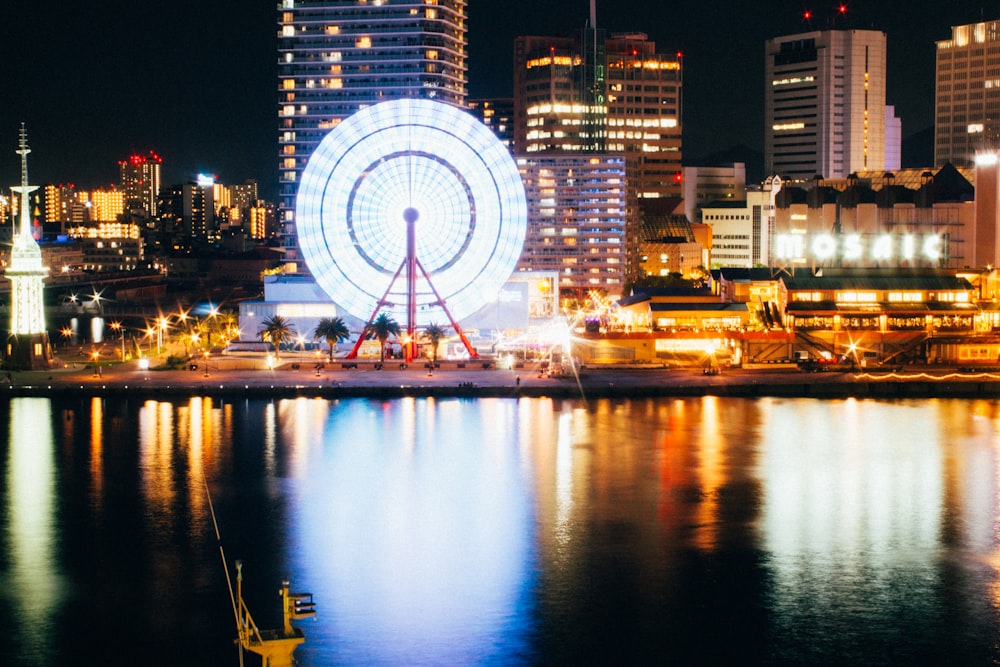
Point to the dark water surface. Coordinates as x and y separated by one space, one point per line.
504 531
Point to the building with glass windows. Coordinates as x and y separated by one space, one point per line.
967 94
338 56
637 110
578 225
825 106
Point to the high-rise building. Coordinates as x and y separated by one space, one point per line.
967 94
577 222
140 181
636 111
498 115
338 56
644 113
825 105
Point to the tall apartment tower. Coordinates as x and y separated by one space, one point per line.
338 56
140 181
967 94
825 105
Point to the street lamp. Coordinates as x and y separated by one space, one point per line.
96 356
117 326
206 363
161 328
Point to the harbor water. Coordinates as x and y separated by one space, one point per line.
503 531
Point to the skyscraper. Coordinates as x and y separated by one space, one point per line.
825 105
338 56
967 94
140 181
637 110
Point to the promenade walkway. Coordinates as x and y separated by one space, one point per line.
249 376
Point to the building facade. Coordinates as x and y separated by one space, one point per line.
637 111
498 115
338 56
140 182
578 222
825 104
967 94
742 230
703 186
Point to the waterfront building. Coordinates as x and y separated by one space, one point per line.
140 181
668 243
967 94
578 224
872 222
336 57
27 340
742 230
825 104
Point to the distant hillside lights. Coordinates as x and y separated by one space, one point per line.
856 247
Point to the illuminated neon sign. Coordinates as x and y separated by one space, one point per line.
857 247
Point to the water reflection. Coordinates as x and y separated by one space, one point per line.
414 531
32 583
504 531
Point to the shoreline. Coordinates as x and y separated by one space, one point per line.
126 380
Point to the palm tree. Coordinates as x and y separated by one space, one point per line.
381 328
276 331
332 330
435 334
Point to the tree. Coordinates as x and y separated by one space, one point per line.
276 331
381 328
332 330
435 334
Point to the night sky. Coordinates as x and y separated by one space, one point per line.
195 81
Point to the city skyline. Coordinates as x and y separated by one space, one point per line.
198 84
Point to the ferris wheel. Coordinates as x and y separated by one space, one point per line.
412 207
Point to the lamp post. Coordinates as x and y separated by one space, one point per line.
96 356
206 363
117 326
160 329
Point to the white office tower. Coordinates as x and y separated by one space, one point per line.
825 108
27 342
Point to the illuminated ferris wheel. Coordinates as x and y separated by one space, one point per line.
412 207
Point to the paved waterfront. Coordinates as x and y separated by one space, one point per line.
249 375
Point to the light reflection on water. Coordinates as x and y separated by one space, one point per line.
504 531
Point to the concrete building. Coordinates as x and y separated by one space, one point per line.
706 185
641 113
825 106
140 181
742 230
967 94
338 56
870 223
498 115
668 245
578 222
